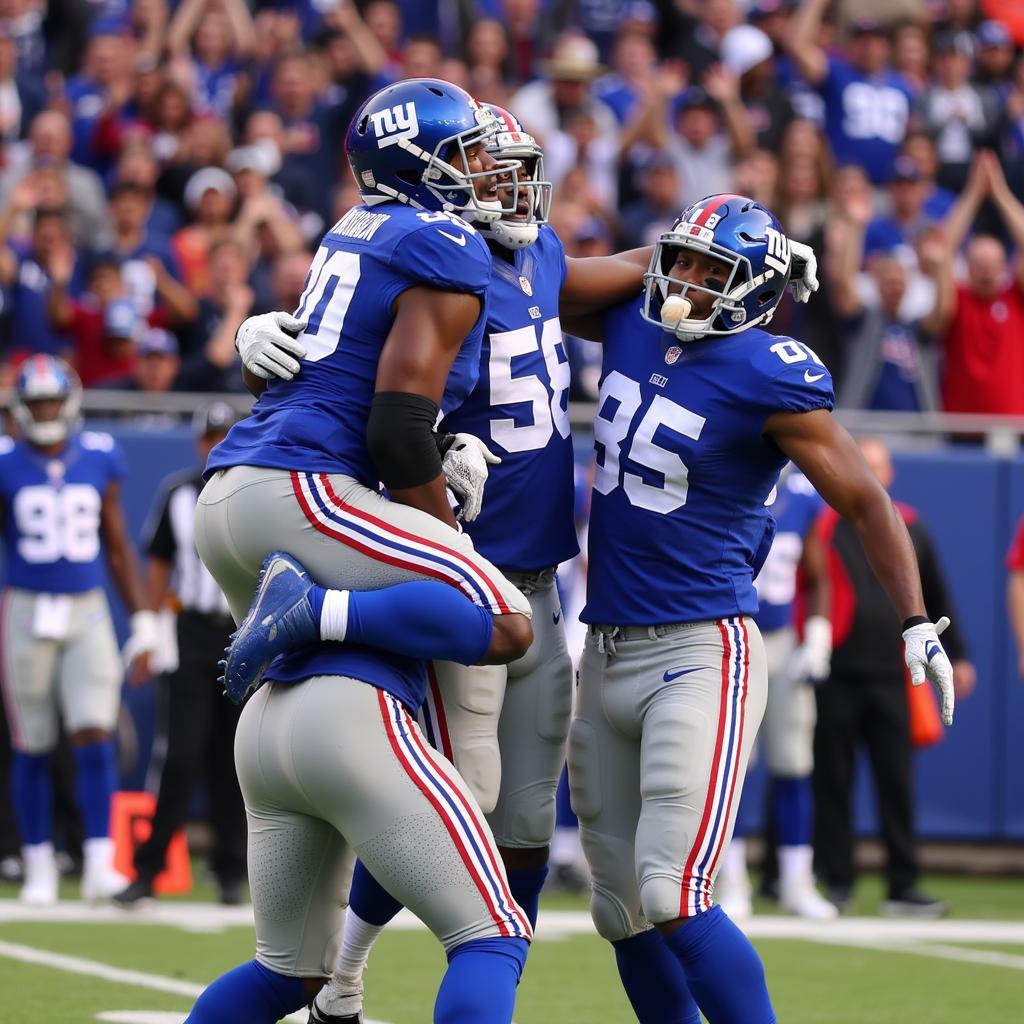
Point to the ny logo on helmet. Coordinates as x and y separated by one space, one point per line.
778 255
395 124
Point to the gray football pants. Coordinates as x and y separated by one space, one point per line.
77 677
333 768
343 533
664 723
505 726
791 711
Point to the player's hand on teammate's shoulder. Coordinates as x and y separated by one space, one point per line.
465 459
268 345
926 658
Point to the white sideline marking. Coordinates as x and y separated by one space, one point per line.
118 975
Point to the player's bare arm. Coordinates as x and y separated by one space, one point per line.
833 463
415 361
597 282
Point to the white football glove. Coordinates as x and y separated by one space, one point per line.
144 638
926 658
465 463
268 345
812 660
804 279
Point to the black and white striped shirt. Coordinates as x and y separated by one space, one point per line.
171 538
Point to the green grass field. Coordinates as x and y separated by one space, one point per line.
81 965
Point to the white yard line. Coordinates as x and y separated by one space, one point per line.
117 975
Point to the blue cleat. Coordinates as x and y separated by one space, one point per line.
279 620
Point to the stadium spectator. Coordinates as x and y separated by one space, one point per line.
920 147
26 274
757 176
566 90
155 370
864 704
210 200
137 165
911 54
867 104
49 146
958 114
634 63
212 43
890 360
21 98
748 53
210 362
486 57
658 206
981 320
104 322
804 174
148 266
993 58
197 723
1015 592
906 217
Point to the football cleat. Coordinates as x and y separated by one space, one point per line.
279 620
101 882
317 1016
41 876
135 893
914 903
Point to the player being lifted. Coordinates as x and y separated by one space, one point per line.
699 410
391 319
62 515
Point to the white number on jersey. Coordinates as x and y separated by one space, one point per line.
874 112
330 285
643 451
790 351
56 524
546 401
776 582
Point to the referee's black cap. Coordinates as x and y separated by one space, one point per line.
214 418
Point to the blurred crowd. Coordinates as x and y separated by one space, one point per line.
166 168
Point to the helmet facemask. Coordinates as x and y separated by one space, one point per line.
728 313
528 186
36 389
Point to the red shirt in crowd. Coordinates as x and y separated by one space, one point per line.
985 354
98 360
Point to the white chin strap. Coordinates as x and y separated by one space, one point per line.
510 234
51 432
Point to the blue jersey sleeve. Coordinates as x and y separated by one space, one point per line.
798 380
115 463
445 253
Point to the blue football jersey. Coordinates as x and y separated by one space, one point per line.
403 677
51 507
317 422
683 471
520 409
795 510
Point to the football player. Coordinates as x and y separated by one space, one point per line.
787 732
391 320
62 517
699 410
519 408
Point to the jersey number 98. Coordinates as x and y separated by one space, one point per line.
56 524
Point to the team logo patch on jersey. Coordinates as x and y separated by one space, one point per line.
395 124
659 380
526 286
673 354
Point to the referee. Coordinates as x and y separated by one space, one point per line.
198 722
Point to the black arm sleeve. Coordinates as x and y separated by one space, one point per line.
161 542
937 600
401 441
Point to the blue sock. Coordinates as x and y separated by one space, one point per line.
654 980
794 811
32 793
526 884
251 993
369 899
479 986
723 970
422 619
95 782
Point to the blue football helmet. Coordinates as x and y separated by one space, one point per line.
402 141
533 195
742 234
46 377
